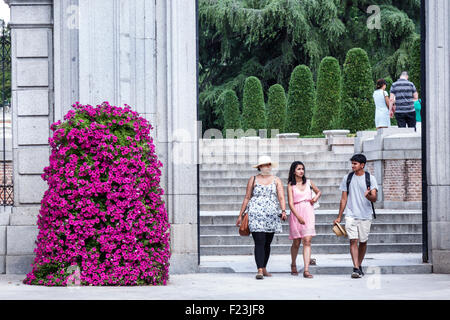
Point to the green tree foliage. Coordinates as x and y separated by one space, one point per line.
414 70
328 99
268 38
231 111
253 107
276 109
357 112
6 57
301 99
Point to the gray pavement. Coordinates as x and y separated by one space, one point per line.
386 263
243 286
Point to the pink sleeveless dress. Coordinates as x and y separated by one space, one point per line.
305 210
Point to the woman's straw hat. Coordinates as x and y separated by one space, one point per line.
265 160
339 230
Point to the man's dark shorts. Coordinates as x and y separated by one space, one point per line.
407 118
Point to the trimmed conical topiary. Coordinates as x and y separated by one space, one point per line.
328 96
276 109
253 107
231 112
301 99
358 111
102 220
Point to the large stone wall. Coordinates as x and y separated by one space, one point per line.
32 92
142 53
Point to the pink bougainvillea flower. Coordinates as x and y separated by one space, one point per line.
102 218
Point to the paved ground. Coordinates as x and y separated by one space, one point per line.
409 263
243 286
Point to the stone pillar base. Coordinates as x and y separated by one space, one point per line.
441 261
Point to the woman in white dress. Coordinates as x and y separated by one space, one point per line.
381 98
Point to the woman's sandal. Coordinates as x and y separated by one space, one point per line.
267 274
259 276
306 274
294 271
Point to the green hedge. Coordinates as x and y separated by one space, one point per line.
253 107
231 112
358 111
414 70
328 99
276 109
301 99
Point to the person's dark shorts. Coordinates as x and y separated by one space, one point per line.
406 119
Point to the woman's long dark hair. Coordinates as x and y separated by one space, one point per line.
291 178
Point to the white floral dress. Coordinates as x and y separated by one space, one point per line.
264 208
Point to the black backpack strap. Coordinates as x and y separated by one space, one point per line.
349 179
368 187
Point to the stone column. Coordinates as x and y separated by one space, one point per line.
32 112
438 132
142 53
181 142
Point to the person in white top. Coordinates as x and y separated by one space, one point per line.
380 96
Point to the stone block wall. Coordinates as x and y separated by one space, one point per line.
142 53
402 180
394 158
32 104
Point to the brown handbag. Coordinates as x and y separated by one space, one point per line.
244 229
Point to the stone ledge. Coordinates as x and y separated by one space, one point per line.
403 205
441 261
5 213
24 216
2 264
21 240
2 240
288 135
20 264
183 263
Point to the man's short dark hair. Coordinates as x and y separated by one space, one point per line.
359 158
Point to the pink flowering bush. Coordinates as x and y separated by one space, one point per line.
102 213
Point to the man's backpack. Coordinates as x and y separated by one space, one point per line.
349 179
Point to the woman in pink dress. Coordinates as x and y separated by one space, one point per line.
301 219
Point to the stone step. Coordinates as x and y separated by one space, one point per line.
219 229
321 216
316 248
236 206
239 149
219 189
233 197
283 175
328 238
283 158
242 181
374 263
283 165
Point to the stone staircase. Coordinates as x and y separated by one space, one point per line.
392 231
223 185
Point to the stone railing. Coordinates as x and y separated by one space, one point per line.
394 157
